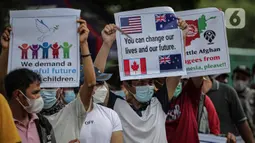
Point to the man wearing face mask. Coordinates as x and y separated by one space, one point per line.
22 88
229 109
99 116
241 82
52 101
143 114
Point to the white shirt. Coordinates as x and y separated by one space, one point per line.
149 128
99 125
67 122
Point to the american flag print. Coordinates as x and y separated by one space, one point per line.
131 25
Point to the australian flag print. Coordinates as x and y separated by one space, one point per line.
170 63
165 21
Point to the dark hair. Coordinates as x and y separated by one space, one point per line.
114 81
20 79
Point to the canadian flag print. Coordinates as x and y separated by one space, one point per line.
135 66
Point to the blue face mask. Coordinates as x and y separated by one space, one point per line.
69 96
178 90
49 97
120 93
144 93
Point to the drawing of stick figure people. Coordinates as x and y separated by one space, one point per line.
55 50
35 49
66 48
45 47
24 48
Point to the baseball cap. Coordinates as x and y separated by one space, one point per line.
100 77
243 69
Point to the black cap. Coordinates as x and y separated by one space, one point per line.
100 77
243 69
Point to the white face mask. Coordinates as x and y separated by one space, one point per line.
240 85
34 105
100 94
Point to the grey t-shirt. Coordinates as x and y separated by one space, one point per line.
228 107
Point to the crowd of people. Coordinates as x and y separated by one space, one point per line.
105 109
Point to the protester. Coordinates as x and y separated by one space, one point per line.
241 82
53 101
145 120
8 131
99 116
229 109
23 93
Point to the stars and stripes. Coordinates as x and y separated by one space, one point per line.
131 25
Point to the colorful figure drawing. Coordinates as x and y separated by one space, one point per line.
35 49
55 50
45 46
66 48
24 48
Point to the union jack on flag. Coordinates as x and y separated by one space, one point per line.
165 21
170 63
160 18
164 59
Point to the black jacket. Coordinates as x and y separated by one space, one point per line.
45 130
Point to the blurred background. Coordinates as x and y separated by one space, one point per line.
100 12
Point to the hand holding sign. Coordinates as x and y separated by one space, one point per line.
109 34
184 26
83 30
5 38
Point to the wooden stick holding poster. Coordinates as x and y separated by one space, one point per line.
156 48
206 43
46 41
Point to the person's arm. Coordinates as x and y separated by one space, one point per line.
8 130
117 136
109 36
239 117
172 82
5 38
245 132
88 67
70 46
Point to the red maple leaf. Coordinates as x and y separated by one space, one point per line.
135 66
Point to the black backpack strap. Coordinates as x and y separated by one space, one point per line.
200 109
44 123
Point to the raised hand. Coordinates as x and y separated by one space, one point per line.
184 26
83 30
109 34
5 38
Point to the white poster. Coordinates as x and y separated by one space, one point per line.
206 43
155 48
208 138
46 41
